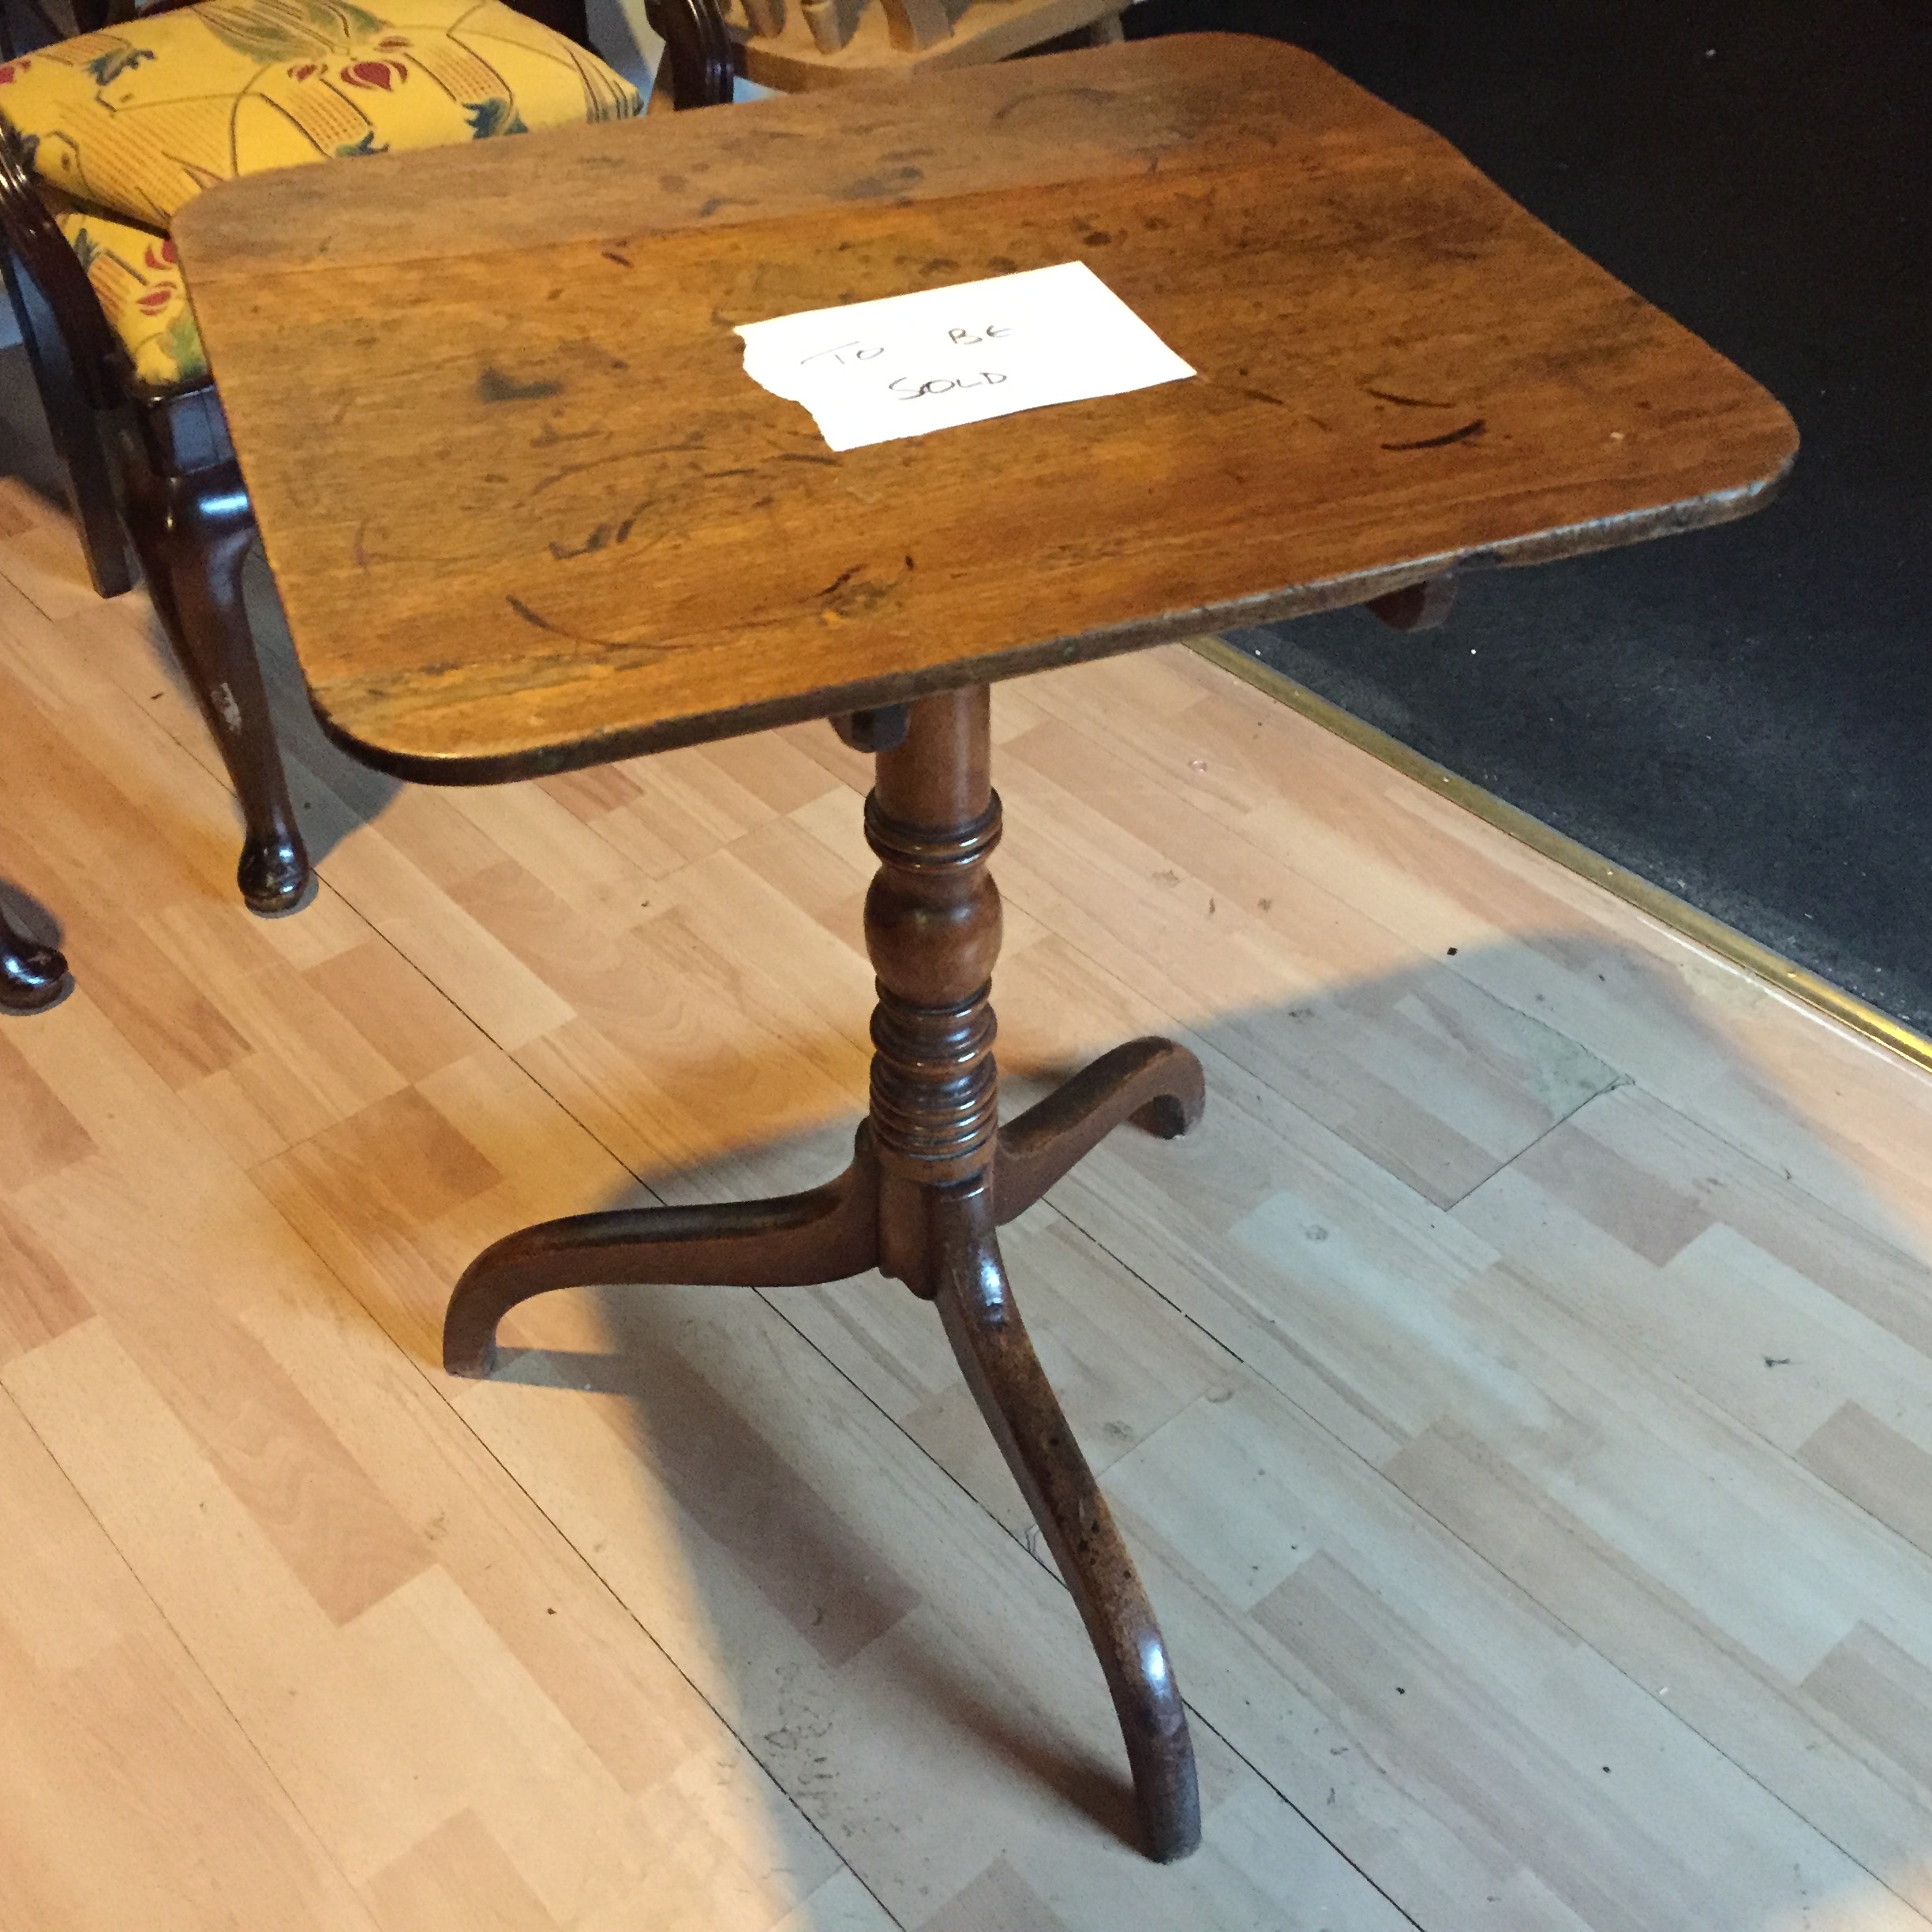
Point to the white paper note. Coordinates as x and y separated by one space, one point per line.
874 371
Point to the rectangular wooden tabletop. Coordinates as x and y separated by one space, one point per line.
527 511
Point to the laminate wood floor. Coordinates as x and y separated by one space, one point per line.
1517 1390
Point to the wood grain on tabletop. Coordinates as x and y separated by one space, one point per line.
526 509
1521 1372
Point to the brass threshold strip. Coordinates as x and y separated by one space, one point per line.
1666 907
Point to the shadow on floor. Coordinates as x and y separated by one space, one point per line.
1511 1347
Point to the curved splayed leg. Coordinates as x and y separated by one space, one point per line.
976 1305
823 1235
1156 1083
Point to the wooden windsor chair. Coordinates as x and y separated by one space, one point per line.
794 45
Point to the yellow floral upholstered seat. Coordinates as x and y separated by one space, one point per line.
124 126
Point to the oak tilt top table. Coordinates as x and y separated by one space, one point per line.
527 511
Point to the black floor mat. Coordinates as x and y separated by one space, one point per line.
1740 716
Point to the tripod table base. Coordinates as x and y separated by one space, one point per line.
932 1177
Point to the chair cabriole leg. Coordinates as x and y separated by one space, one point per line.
193 531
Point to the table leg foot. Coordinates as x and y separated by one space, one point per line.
824 1235
1156 1083
983 1323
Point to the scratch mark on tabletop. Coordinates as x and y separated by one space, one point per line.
1052 94
636 652
550 435
577 468
531 617
601 538
844 598
494 385
1442 442
1404 402
607 535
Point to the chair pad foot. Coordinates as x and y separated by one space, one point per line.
275 877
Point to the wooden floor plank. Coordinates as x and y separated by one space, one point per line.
130 1795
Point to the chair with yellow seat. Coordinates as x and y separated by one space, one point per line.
105 137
